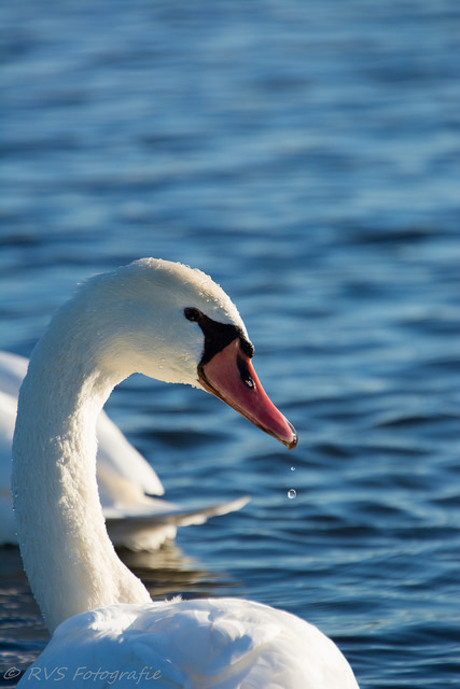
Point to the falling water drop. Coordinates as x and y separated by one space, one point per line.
291 494
292 468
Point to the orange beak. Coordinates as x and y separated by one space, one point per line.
230 376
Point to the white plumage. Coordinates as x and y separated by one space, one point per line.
170 322
222 643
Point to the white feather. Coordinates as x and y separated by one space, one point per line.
100 613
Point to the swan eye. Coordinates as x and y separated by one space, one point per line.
192 314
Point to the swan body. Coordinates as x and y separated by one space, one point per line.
223 643
175 324
127 483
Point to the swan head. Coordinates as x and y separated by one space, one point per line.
175 324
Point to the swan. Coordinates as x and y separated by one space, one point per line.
173 323
127 483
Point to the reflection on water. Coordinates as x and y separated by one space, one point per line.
169 572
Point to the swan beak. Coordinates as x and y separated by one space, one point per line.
230 376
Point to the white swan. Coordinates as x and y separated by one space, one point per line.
173 323
127 483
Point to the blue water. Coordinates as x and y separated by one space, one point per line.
307 155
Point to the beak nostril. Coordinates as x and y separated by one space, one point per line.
245 374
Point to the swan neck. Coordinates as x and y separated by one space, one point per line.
69 559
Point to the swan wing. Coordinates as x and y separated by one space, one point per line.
147 529
117 458
198 644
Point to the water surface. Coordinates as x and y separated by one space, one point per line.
307 156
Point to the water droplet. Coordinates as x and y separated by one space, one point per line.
292 468
291 494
